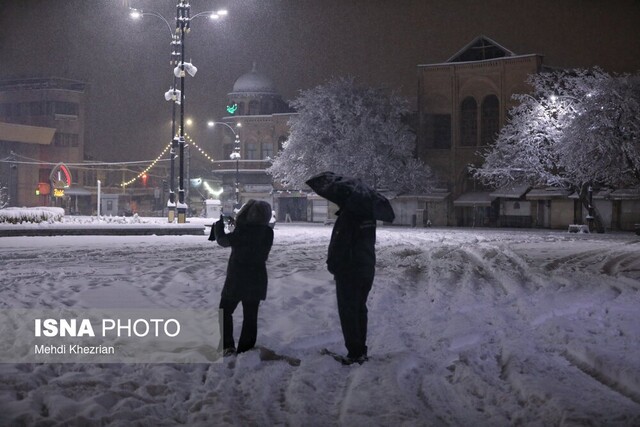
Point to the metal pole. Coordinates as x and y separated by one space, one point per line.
590 216
237 184
98 204
171 204
188 173
236 156
183 25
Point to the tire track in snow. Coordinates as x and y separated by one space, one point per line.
589 365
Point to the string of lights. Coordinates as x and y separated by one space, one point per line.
204 153
87 165
94 165
154 162
148 168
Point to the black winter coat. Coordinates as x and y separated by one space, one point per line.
247 271
352 247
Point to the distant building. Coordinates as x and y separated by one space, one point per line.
263 115
42 125
462 104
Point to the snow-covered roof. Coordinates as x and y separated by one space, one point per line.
514 191
474 199
547 193
254 82
626 194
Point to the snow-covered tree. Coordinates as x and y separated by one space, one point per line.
602 143
577 129
4 196
351 130
529 147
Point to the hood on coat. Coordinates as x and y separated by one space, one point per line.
254 212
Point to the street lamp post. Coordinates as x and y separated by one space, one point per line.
183 26
170 95
235 155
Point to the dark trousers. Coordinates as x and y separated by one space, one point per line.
352 296
249 332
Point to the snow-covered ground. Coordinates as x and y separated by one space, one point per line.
467 328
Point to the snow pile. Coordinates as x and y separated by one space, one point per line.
134 219
93 222
467 327
31 215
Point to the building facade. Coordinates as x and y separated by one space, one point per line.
462 104
260 117
42 129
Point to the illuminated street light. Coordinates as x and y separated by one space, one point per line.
173 95
235 155
183 25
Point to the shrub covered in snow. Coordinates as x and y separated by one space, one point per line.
31 215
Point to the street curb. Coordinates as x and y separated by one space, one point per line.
193 230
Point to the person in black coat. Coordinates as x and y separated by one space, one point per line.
246 280
352 261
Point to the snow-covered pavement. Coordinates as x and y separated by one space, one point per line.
467 327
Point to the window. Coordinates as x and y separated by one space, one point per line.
36 108
66 140
254 108
267 106
469 123
59 107
68 108
252 151
490 119
24 109
60 140
5 110
267 150
228 149
438 130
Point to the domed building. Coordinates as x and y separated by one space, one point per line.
258 115
255 94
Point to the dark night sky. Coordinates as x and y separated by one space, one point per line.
298 43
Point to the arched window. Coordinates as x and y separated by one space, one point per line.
469 122
489 119
254 108
251 151
227 150
267 106
267 149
